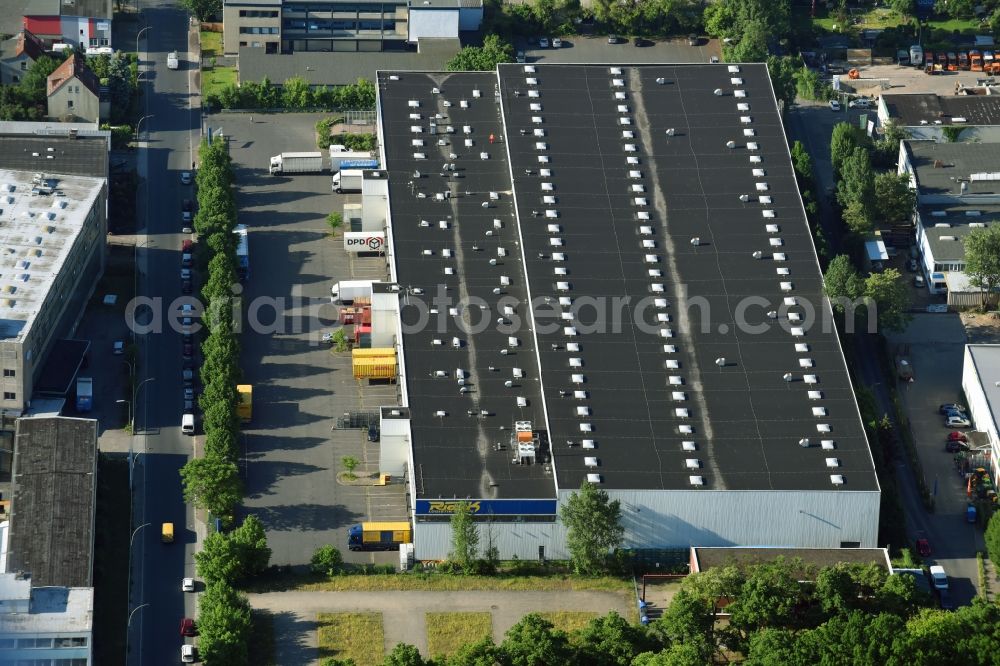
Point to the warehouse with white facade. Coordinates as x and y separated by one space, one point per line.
605 276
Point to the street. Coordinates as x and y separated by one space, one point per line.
171 132
954 545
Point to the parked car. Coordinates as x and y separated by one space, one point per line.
543 43
945 600
924 547
187 585
373 433
188 654
185 273
188 627
557 43
615 39
859 103
520 56
957 436
186 178
188 350
918 281
186 287
954 446
951 407
118 347
957 422
639 41
693 40
186 221
938 577
834 105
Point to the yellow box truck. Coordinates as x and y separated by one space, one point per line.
378 536
245 408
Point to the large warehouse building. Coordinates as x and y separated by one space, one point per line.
605 276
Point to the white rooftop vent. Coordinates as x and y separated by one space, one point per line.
798 331
827 444
538 131
685 429
628 134
547 187
819 411
529 69
666 332
742 106
823 427
586 427
616 71
805 363
642 215
832 462
679 396
958 119
775 242
537 120
669 349
590 461
577 379
786 286
531 81
736 81
746 120
640 201
618 83
630 148
810 379
762 187
734 69
583 411
631 159
676 380
656 288
620 95
646 230
783 271
555 242
413 104
815 395
570 331
672 364
778 256
739 93
588 444
748 131
593 478
801 347
752 145
543 159
696 480
541 145
551 213
688 445
837 479
692 463
535 106
625 120
772 228
682 412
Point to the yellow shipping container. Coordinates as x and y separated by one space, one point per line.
372 352
382 367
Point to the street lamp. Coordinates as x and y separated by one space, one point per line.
133 613
135 395
138 35
132 538
129 403
139 124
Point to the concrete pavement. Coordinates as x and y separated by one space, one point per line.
403 613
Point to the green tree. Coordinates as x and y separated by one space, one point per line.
610 640
403 655
482 58
326 560
858 218
802 163
857 182
751 46
894 198
678 654
296 93
982 261
255 554
535 642
33 84
350 463
202 10
120 85
836 589
905 8
842 283
783 70
845 138
593 528
480 653
464 538
212 484
808 83
218 561
768 598
892 298
335 221
992 537
688 619
224 626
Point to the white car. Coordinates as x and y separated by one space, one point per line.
118 348
557 43
834 105
957 422
939 577
859 103
187 654
187 585
185 177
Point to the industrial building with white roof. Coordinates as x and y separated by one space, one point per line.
52 235
604 275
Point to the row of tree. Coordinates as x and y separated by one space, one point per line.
27 99
212 482
775 614
294 93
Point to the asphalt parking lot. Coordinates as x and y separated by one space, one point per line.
595 49
936 345
292 456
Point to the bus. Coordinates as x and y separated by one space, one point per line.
242 252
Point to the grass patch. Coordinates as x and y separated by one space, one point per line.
214 80
569 621
446 632
261 644
111 565
211 44
355 636
961 25
447 582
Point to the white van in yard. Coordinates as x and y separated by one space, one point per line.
187 424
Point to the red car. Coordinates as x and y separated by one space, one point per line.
956 436
188 627
924 547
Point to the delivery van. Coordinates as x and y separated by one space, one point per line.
187 424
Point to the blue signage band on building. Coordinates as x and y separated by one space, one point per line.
511 507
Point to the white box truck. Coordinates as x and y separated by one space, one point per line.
172 61
346 291
297 163
348 180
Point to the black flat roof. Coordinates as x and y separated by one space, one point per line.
455 455
746 420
